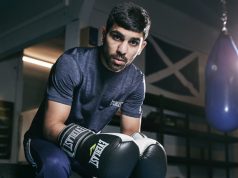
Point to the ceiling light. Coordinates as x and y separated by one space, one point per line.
37 61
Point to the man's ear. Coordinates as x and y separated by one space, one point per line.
144 43
103 31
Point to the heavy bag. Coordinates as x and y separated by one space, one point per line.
221 90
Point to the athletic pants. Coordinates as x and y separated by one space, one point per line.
49 161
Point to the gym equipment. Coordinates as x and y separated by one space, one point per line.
221 98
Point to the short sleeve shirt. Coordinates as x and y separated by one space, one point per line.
95 94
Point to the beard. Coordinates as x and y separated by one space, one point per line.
114 62
117 62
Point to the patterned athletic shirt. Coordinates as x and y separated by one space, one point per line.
79 79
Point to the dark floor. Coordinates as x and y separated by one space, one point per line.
21 171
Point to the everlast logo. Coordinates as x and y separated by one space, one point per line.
69 143
116 103
97 152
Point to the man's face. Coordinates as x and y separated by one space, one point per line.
120 47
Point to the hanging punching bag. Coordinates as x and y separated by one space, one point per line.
221 80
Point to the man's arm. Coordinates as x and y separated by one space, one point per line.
76 141
54 119
130 125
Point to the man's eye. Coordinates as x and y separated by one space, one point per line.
116 37
134 42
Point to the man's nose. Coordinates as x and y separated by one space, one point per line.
122 48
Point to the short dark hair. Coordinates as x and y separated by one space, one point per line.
131 17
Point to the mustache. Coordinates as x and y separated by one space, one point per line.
119 57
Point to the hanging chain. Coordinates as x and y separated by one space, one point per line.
224 16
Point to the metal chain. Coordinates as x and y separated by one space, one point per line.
224 16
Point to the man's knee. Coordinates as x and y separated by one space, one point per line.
57 163
54 166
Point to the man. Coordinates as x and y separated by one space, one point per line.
86 87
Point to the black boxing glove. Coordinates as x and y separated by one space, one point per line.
104 155
153 160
